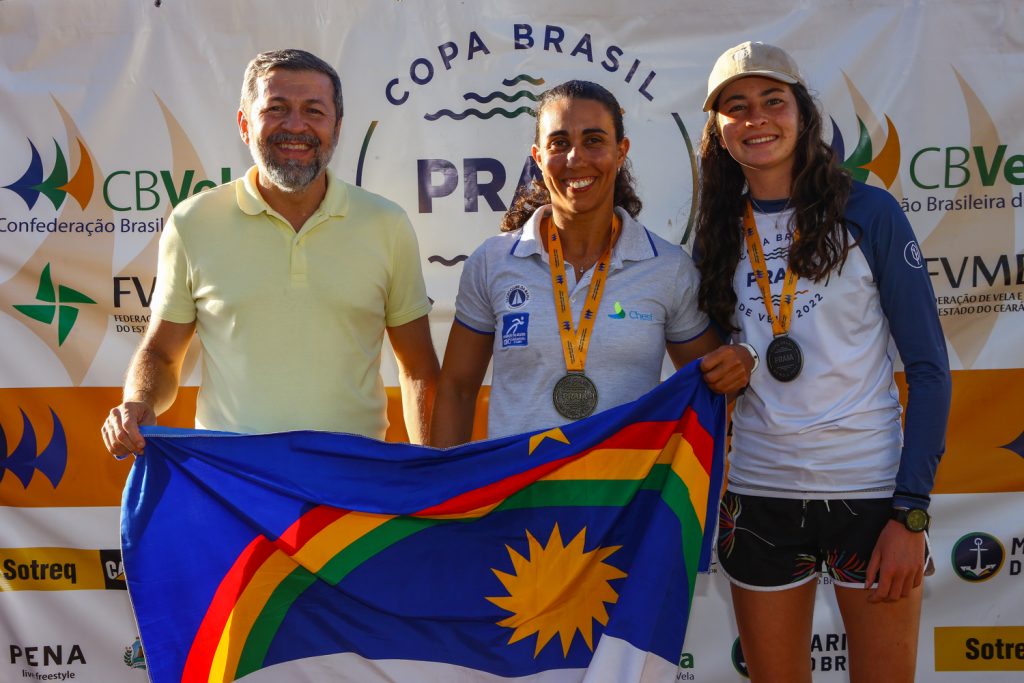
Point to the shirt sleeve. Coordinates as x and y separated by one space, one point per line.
172 298
685 321
407 293
908 301
473 307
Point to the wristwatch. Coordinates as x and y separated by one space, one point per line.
915 519
753 354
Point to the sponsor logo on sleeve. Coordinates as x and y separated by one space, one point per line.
912 255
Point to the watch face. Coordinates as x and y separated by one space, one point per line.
917 520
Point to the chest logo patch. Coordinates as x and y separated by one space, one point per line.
514 327
517 296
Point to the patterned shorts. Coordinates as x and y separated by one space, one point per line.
778 543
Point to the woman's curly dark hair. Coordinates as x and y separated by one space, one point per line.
536 194
818 195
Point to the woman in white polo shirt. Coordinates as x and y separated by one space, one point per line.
824 278
573 269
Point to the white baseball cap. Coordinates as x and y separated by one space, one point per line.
751 59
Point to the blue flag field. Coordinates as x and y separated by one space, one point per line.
565 555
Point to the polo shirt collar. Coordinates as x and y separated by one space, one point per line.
634 244
250 201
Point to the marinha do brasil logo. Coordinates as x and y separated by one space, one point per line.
60 303
977 557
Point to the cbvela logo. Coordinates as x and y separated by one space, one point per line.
863 160
454 127
980 167
23 461
983 165
53 297
61 304
57 185
122 190
977 557
983 172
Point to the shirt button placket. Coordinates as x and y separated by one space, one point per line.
298 260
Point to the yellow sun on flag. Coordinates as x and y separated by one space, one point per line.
558 589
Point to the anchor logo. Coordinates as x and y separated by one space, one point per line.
978 569
977 557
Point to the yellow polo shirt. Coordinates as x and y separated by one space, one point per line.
291 324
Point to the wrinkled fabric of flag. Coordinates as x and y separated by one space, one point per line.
568 554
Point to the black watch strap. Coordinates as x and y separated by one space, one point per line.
915 519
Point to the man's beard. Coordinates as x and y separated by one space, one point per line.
292 175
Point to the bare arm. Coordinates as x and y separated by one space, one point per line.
150 387
465 363
417 375
726 369
897 563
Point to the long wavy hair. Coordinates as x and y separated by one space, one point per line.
536 195
818 195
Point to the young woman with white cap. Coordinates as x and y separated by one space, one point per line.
824 278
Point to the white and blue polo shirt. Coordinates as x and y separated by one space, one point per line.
650 298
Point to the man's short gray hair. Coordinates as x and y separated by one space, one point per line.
290 60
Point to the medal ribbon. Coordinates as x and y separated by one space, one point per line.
780 322
575 344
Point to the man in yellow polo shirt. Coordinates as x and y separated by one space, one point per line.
290 277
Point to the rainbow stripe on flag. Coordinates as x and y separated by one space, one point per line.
564 555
